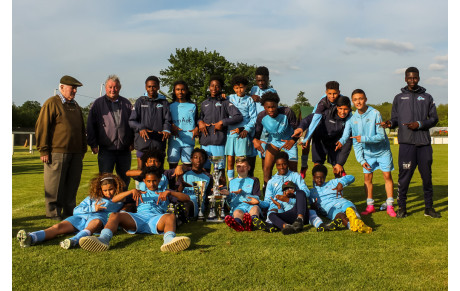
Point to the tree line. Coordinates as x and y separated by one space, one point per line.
196 68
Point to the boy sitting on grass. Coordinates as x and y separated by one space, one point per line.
325 196
243 198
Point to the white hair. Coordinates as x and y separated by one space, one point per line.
113 78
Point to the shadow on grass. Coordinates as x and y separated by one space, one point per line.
26 223
127 242
26 169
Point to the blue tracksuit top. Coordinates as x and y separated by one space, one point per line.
151 114
214 110
374 140
255 90
150 199
185 116
250 187
325 197
190 176
278 128
247 108
318 110
274 187
410 106
86 208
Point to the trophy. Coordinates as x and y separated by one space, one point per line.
198 188
216 200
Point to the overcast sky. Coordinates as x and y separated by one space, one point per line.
360 43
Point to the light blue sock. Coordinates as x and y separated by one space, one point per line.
370 201
106 235
390 201
168 236
80 234
37 236
230 174
314 219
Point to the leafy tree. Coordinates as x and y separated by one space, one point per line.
442 111
25 115
196 67
301 100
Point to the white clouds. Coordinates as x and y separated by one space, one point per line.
436 81
186 14
436 67
381 44
441 59
400 71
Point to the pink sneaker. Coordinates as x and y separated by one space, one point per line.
391 211
369 209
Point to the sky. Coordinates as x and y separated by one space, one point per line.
359 43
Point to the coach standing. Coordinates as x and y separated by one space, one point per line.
61 141
414 112
109 134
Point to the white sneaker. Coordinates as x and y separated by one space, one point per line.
177 244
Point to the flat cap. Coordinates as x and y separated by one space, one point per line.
71 81
288 184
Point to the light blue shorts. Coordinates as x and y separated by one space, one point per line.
81 221
292 153
384 163
177 152
216 151
145 223
237 147
255 152
341 206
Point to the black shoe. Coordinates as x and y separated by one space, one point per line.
401 212
322 228
336 224
288 229
298 224
271 228
258 223
432 213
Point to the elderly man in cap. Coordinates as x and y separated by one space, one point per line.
61 141
109 133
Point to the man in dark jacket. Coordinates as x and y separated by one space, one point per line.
109 133
414 112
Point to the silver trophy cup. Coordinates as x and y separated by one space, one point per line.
198 188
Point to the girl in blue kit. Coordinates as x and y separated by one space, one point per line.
88 217
151 217
372 148
325 197
279 122
184 128
243 197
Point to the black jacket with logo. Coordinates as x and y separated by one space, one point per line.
410 106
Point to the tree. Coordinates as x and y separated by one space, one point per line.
196 68
442 111
301 100
26 115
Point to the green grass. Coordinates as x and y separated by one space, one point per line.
404 254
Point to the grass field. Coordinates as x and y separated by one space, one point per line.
401 254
